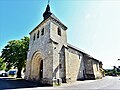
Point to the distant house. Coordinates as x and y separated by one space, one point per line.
51 59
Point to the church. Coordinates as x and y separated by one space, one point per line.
51 60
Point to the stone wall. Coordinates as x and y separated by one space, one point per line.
92 70
81 74
62 66
96 69
89 73
58 42
75 65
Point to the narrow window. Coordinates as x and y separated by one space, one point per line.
60 65
80 57
34 37
38 34
59 31
42 32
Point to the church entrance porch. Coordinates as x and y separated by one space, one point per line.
36 67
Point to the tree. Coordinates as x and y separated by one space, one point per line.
114 69
2 64
15 54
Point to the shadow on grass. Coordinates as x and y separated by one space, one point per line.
13 83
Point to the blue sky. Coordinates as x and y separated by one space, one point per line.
93 25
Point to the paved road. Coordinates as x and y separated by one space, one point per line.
101 84
13 83
105 83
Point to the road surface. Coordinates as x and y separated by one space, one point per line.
13 83
100 84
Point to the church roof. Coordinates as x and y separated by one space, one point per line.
80 50
73 47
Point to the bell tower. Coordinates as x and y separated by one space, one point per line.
46 42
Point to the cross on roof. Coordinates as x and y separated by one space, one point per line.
48 1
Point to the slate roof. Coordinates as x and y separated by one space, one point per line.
82 51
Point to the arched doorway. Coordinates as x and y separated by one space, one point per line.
36 66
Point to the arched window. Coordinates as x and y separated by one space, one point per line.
59 31
34 37
42 32
38 34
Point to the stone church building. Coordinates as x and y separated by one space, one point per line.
51 59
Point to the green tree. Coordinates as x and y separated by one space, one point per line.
15 54
2 64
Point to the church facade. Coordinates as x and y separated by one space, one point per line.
51 59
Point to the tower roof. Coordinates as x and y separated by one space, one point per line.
48 14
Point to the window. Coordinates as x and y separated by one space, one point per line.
59 31
42 32
34 37
60 65
80 57
38 34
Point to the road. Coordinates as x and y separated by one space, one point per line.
105 83
13 83
100 84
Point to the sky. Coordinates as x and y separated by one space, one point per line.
93 25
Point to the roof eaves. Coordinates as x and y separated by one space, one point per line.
78 49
